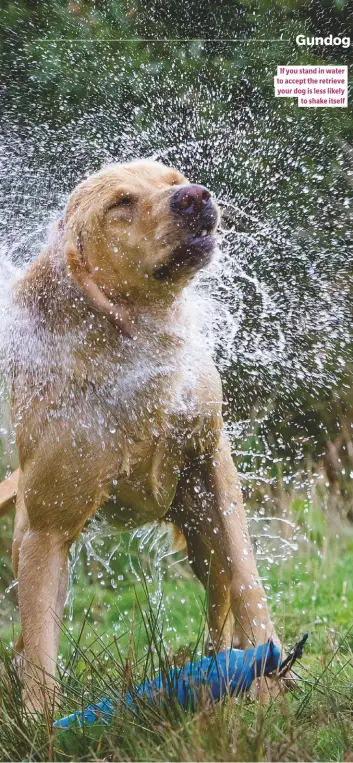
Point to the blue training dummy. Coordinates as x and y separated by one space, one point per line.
231 672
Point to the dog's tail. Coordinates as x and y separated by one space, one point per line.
178 539
8 492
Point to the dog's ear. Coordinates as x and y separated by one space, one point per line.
81 273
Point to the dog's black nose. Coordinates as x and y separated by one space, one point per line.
190 200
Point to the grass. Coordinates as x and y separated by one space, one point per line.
119 635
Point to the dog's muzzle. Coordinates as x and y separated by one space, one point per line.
196 215
193 205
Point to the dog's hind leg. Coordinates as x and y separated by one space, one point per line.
20 528
8 491
21 525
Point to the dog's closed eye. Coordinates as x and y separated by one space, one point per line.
125 201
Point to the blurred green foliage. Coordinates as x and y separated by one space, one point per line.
60 56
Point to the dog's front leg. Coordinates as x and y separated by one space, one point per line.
209 510
42 582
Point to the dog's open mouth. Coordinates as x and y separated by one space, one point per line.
190 256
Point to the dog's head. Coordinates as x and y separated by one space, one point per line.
138 230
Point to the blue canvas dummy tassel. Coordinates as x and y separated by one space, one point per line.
231 672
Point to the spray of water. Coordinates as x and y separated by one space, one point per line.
275 304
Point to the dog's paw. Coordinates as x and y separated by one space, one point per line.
267 688
39 698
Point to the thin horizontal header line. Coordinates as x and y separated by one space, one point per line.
154 39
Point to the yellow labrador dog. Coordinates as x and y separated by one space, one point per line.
118 405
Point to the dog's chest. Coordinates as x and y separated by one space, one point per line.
160 414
